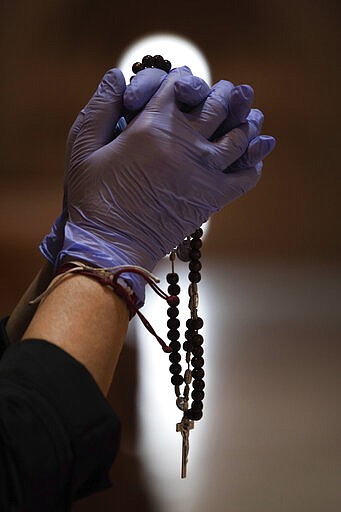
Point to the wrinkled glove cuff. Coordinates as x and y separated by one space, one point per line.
81 245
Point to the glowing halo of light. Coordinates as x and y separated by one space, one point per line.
177 49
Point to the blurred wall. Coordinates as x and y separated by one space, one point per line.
53 54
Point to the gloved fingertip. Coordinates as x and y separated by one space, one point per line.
189 81
269 140
181 69
256 115
240 103
260 147
191 90
246 91
142 87
113 82
268 143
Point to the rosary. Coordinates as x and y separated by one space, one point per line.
193 377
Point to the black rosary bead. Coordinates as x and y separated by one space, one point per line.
196 243
173 323
189 324
172 278
195 254
175 368
138 66
197 394
173 289
148 61
173 334
194 277
158 61
195 266
198 384
194 415
197 233
198 373
172 312
175 345
197 405
177 380
189 334
194 323
197 340
197 351
198 323
175 357
166 66
197 362
187 346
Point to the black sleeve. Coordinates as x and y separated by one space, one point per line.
58 434
4 341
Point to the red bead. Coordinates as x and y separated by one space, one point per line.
172 300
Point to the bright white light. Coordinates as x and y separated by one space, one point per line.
180 51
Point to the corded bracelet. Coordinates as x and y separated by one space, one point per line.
111 277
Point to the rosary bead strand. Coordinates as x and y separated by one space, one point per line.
193 378
189 250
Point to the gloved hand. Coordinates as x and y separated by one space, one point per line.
132 200
229 105
98 118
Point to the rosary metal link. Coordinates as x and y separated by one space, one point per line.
193 299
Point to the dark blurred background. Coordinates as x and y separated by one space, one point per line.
273 255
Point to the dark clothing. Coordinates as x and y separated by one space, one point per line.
58 434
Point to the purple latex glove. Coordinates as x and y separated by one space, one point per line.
97 121
225 104
132 200
226 107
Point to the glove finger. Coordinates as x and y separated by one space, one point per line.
238 183
258 149
239 106
163 99
74 131
208 117
230 147
100 116
254 121
142 87
190 91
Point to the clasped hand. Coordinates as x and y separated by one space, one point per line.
132 199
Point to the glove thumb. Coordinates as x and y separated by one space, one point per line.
100 116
